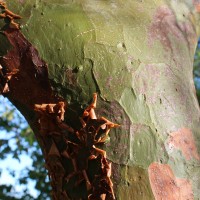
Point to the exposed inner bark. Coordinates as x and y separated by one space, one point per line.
77 168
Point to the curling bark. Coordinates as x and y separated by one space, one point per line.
138 57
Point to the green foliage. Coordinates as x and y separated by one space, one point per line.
19 140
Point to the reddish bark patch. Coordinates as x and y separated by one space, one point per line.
166 186
164 23
184 141
197 8
196 5
30 85
21 1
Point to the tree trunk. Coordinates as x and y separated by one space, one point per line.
138 57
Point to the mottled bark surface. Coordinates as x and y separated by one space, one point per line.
138 57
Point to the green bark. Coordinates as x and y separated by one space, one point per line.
138 56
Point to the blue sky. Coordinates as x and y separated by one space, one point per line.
12 164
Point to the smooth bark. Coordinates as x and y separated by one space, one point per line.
138 57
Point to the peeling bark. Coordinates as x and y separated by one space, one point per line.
62 145
137 55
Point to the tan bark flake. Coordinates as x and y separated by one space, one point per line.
166 186
184 141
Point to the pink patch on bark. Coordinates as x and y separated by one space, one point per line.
21 1
166 186
184 141
196 4
197 8
164 24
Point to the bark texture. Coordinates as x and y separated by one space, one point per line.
138 57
